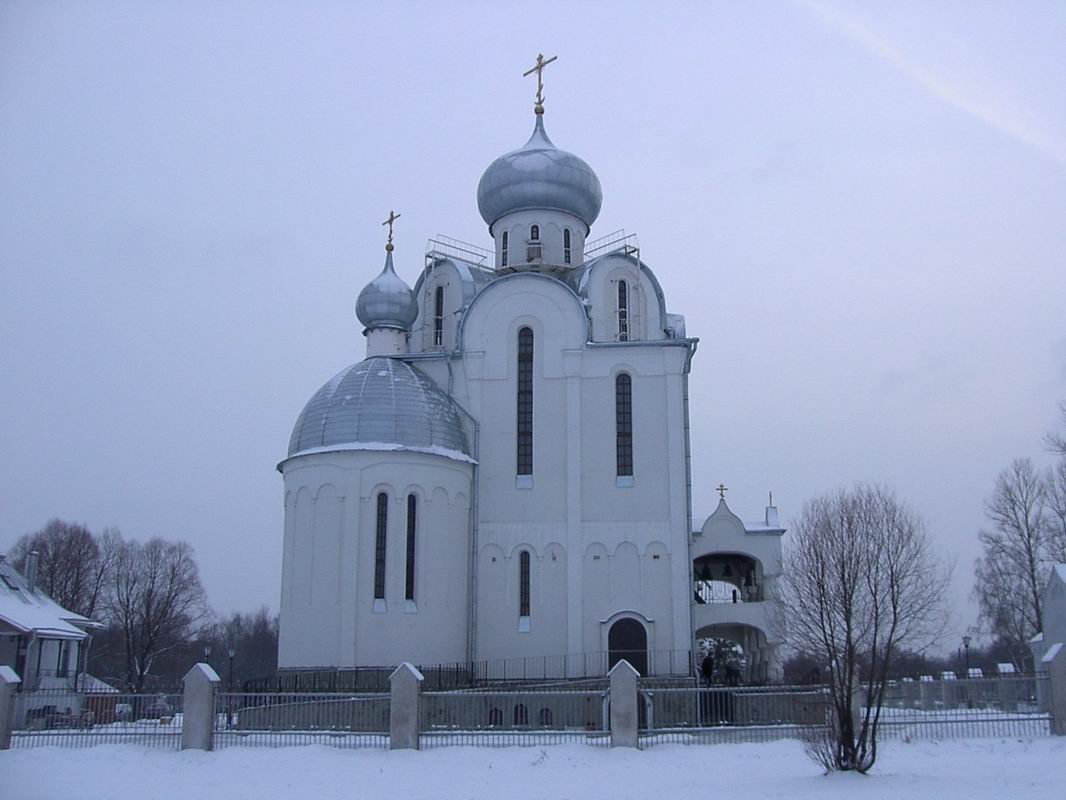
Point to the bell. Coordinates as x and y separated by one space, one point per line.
728 571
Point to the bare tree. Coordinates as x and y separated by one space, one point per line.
861 583
155 599
1056 442
1056 508
1010 574
71 567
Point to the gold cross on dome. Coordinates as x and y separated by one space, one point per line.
393 216
539 69
721 489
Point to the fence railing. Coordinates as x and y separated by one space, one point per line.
506 718
667 710
474 674
277 720
76 719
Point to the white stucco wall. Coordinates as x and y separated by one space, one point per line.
552 224
328 613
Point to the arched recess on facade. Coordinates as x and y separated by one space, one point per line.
728 577
734 653
628 635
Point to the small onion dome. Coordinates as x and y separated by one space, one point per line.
387 302
539 176
381 403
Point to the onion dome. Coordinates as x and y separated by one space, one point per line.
387 302
381 403
539 176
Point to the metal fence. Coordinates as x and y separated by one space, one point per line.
978 707
50 718
285 719
1006 705
510 718
729 714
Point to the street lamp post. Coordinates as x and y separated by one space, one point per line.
229 681
966 649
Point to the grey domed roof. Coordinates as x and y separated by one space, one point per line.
539 175
387 302
381 403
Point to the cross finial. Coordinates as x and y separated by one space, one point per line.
539 69
721 489
393 216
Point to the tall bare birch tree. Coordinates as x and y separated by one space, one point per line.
861 584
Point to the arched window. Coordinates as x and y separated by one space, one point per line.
623 312
379 546
545 717
525 402
623 424
534 233
495 717
523 583
503 249
438 317
521 715
566 245
409 580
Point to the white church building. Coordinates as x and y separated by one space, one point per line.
506 475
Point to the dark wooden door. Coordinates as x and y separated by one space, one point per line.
627 639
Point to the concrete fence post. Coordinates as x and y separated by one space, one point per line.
1054 663
198 707
858 696
9 684
625 717
405 688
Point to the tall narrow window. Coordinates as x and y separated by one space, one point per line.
525 402
503 249
623 312
438 317
566 245
379 546
523 583
412 507
623 424
534 233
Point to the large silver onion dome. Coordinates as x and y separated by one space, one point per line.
387 302
539 175
381 403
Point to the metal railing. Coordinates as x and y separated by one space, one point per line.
51 718
513 718
285 719
1006 705
730 714
447 247
474 674
616 242
724 592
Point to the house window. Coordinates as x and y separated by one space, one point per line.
412 507
525 402
566 245
438 317
503 248
623 424
521 716
623 312
523 584
379 546
534 233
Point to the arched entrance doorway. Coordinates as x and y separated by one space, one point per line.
627 639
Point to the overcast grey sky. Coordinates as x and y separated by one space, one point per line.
859 207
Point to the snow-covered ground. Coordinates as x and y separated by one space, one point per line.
973 769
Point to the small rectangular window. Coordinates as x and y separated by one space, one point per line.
623 420
523 584
379 546
623 312
409 591
525 402
438 318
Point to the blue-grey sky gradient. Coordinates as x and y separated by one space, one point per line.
859 207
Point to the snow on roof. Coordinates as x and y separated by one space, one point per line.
35 611
93 685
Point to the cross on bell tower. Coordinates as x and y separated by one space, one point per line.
721 489
393 216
